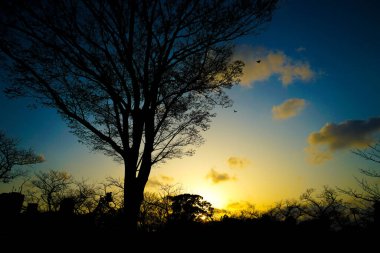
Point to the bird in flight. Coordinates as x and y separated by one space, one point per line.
258 61
235 111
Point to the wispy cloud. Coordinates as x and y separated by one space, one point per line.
238 162
344 135
271 63
166 179
158 181
300 49
240 205
217 177
288 109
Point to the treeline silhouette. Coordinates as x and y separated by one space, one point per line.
54 206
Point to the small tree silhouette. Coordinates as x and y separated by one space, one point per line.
53 186
190 208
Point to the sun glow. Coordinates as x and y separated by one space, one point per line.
216 198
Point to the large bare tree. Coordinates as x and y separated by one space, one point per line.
136 80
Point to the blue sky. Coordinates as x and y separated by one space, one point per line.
330 49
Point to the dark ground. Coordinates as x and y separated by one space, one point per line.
54 233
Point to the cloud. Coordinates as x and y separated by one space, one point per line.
271 63
317 155
345 135
155 182
300 49
238 162
288 109
240 205
217 177
167 179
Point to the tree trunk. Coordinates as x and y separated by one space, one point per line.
132 203
133 197
134 185
49 200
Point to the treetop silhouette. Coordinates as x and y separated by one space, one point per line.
190 208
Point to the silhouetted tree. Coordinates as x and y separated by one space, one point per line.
116 186
85 196
368 193
31 209
157 207
288 211
105 205
150 218
67 206
10 203
52 186
249 212
11 156
189 208
370 190
136 80
325 209
105 211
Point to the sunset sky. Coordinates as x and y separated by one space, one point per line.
297 114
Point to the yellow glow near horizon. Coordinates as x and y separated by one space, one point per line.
216 198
